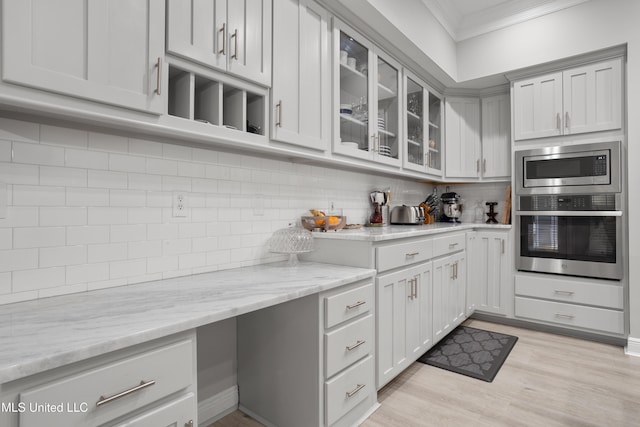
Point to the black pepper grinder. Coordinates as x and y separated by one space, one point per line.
491 214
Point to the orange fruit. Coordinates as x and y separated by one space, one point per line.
334 220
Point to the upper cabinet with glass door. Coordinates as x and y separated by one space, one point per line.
422 128
366 99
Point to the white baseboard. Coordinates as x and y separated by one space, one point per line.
217 406
633 347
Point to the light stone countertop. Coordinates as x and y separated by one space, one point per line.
378 234
39 335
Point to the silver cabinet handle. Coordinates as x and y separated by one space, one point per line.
452 245
559 292
104 400
565 316
415 287
159 76
223 31
279 114
452 272
558 121
357 304
484 166
355 390
502 244
412 254
356 345
566 119
235 51
478 166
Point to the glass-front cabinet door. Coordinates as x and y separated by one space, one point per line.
366 99
423 141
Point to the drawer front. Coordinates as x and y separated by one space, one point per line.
178 412
170 367
401 254
571 290
448 244
345 391
348 304
348 344
597 319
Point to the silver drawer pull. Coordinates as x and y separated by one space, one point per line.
104 400
565 316
412 253
452 245
355 390
356 345
357 304
569 293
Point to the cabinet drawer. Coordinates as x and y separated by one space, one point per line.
166 370
348 304
177 412
598 319
571 290
345 391
448 244
401 254
348 344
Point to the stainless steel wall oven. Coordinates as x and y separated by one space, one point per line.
569 210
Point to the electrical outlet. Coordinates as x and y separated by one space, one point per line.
179 205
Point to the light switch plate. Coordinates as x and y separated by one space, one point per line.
3 200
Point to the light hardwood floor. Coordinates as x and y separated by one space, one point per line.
547 380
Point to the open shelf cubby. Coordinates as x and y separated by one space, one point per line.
207 100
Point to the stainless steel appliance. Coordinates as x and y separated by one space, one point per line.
575 169
569 210
407 215
451 207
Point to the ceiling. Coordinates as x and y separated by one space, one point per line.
464 19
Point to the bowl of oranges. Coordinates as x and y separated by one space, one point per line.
319 220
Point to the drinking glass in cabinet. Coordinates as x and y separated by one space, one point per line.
388 107
435 145
415 124
353 92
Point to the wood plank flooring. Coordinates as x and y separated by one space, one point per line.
547 380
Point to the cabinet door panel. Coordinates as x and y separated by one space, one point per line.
104 51
496 152
538 107
462 136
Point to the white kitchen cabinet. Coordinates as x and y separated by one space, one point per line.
449 294
422 127
300 95
403 309
315 371
367 99
489 279
496 137
232 36
577 100
106 51
462 133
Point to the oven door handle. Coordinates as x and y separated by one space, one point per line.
569 213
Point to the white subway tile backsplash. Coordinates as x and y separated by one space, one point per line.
123 269
18 259
5 151
217 172
20 217
162 231
6 238
87 273
31 195
87 197
144 215
107 179
64 255
128 233
157 199
190 230
143 147
105 284
192 260
62 290
139 181
14 173
107 252
176 183
204 156
176 246
146 249
107 215
193 170
229 187
205 244
112 143
5 283
162 166
64 177
200 185
63 136
16 130
38 237
135 198
41 278
24 152
161 264
176 152
126 163
87 234
60 216
86 159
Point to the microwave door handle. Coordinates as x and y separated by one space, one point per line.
569 213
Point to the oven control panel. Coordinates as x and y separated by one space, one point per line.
579 202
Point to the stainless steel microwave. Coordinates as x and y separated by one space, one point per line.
582 168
